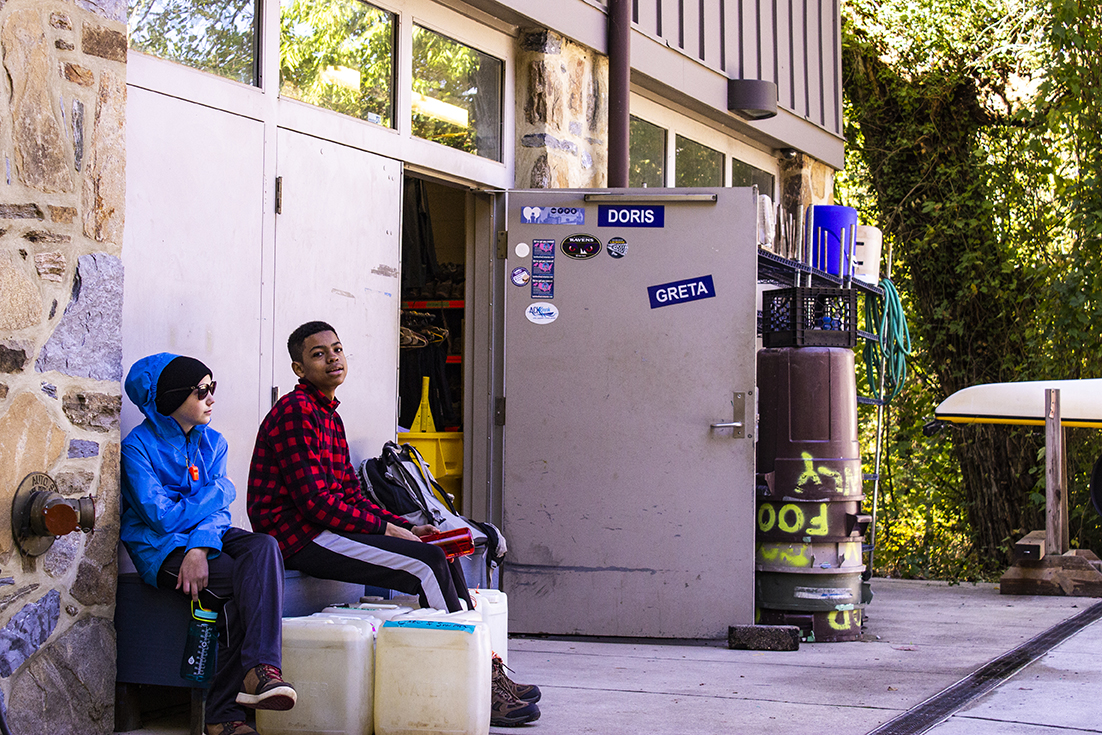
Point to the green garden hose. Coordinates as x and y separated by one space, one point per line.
888 322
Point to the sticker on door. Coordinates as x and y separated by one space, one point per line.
541 313
552 215
680 292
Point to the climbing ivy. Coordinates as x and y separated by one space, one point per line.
967 141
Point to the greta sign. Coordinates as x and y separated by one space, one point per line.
628 215
678 292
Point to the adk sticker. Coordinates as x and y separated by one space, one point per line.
552 215
522 250
617 247
581 247
521 276
541 313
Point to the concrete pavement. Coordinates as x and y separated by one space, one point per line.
920 638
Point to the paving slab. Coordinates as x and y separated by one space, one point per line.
920 638
1056 693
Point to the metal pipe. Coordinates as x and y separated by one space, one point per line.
619 91
877 461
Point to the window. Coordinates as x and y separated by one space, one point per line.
697 165
743 174
338 54
647 151
217 36
456 94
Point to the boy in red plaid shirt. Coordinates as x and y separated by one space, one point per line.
303 490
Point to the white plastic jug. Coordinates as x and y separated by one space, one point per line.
330 661
869 243
493 605
433 674
377 610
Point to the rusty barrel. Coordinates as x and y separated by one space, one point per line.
810 524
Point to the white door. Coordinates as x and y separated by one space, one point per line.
192 255
337 260
629 334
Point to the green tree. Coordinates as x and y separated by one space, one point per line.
917 76
218 36
340 56
987 182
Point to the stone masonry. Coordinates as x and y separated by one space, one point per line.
62 202
562 113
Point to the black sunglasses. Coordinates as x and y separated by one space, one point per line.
201 390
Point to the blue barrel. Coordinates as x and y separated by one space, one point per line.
830 233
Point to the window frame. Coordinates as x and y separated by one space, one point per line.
683 123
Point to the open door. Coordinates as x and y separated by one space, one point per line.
628 490
337 260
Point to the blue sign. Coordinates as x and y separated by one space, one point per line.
631 215
552 215
679 292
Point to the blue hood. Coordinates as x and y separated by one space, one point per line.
175 492
141 388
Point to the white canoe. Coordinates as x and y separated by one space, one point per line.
1024 403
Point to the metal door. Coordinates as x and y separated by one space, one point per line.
337 260
629 336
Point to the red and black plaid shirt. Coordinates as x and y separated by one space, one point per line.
301 480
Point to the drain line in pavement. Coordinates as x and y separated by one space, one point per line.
942 705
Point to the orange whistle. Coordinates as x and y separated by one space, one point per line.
194 472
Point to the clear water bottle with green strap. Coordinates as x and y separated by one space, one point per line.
201 646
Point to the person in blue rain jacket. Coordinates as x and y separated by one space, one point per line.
175 523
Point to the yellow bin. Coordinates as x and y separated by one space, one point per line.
443 450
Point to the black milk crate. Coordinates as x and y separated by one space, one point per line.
809 317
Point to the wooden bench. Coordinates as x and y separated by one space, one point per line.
151 628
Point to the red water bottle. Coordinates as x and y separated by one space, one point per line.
457 542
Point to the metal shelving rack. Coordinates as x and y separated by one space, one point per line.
780 271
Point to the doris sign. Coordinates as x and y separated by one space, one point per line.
616 215
679 292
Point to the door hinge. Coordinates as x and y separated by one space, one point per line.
275 394
502 242
499 411
279 195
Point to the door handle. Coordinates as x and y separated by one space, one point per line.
738 419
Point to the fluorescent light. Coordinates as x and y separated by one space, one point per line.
440 110
341 76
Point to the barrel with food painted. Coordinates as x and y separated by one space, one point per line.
810 524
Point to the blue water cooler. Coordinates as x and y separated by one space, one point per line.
831 233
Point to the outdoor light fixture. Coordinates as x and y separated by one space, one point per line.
752 99
40 514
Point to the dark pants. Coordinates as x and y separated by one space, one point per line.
246 587
413 567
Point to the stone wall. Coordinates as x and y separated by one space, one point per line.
805 181
562 113
62 200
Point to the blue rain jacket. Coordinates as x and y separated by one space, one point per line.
162 507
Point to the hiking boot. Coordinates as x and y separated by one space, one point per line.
230 728
523 692
508 711
264 688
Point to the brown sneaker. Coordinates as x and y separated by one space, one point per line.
264 688
523 692
508 711
230 728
